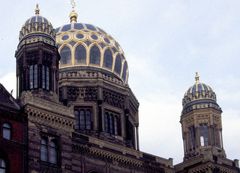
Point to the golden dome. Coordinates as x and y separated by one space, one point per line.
84 46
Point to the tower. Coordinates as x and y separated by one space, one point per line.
201 122
202 133
49 124
37 57
93 79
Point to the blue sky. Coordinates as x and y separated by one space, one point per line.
165 43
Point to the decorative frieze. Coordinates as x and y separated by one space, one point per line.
113 98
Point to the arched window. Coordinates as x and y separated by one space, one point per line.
203 134
106 122
33 76
192 137
108 59
112 123
48 150
45 77
118 64
95 55
83 118
52 152
2 166
6 130
88 119
77 119
65 55
44 148
124 74
80 55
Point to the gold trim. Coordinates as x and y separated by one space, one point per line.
37 10
197 78
73 15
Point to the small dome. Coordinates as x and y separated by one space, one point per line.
85 46
199 95
37 28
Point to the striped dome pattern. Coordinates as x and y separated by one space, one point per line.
36 25
37 29
199 93
199 88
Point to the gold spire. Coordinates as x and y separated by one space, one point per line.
197 78
73 15
37 10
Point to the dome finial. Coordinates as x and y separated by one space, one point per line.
73 15
197 77
37 10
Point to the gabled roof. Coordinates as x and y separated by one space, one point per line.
7 100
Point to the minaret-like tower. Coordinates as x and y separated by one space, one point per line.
202 133
201 122
37 58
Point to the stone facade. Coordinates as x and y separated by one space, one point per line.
83 117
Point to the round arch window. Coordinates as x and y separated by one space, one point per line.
108 59
65 55
124 74
95 55
80 55
118 64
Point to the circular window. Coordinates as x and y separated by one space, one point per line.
94 37
80 36
65 37
106 40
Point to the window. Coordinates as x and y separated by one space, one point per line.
80 55
65 55
44 148
220 139
108 59
2 166
124 74
112 123
45 77
95 55
118 64
49 150
6 131
52 152
203 134
83 118
192 137
33 76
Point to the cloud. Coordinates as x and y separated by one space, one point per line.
160 130
9 82
231 128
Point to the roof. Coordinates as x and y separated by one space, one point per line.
7 100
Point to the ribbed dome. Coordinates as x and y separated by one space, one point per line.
199 95
37 28
84 46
